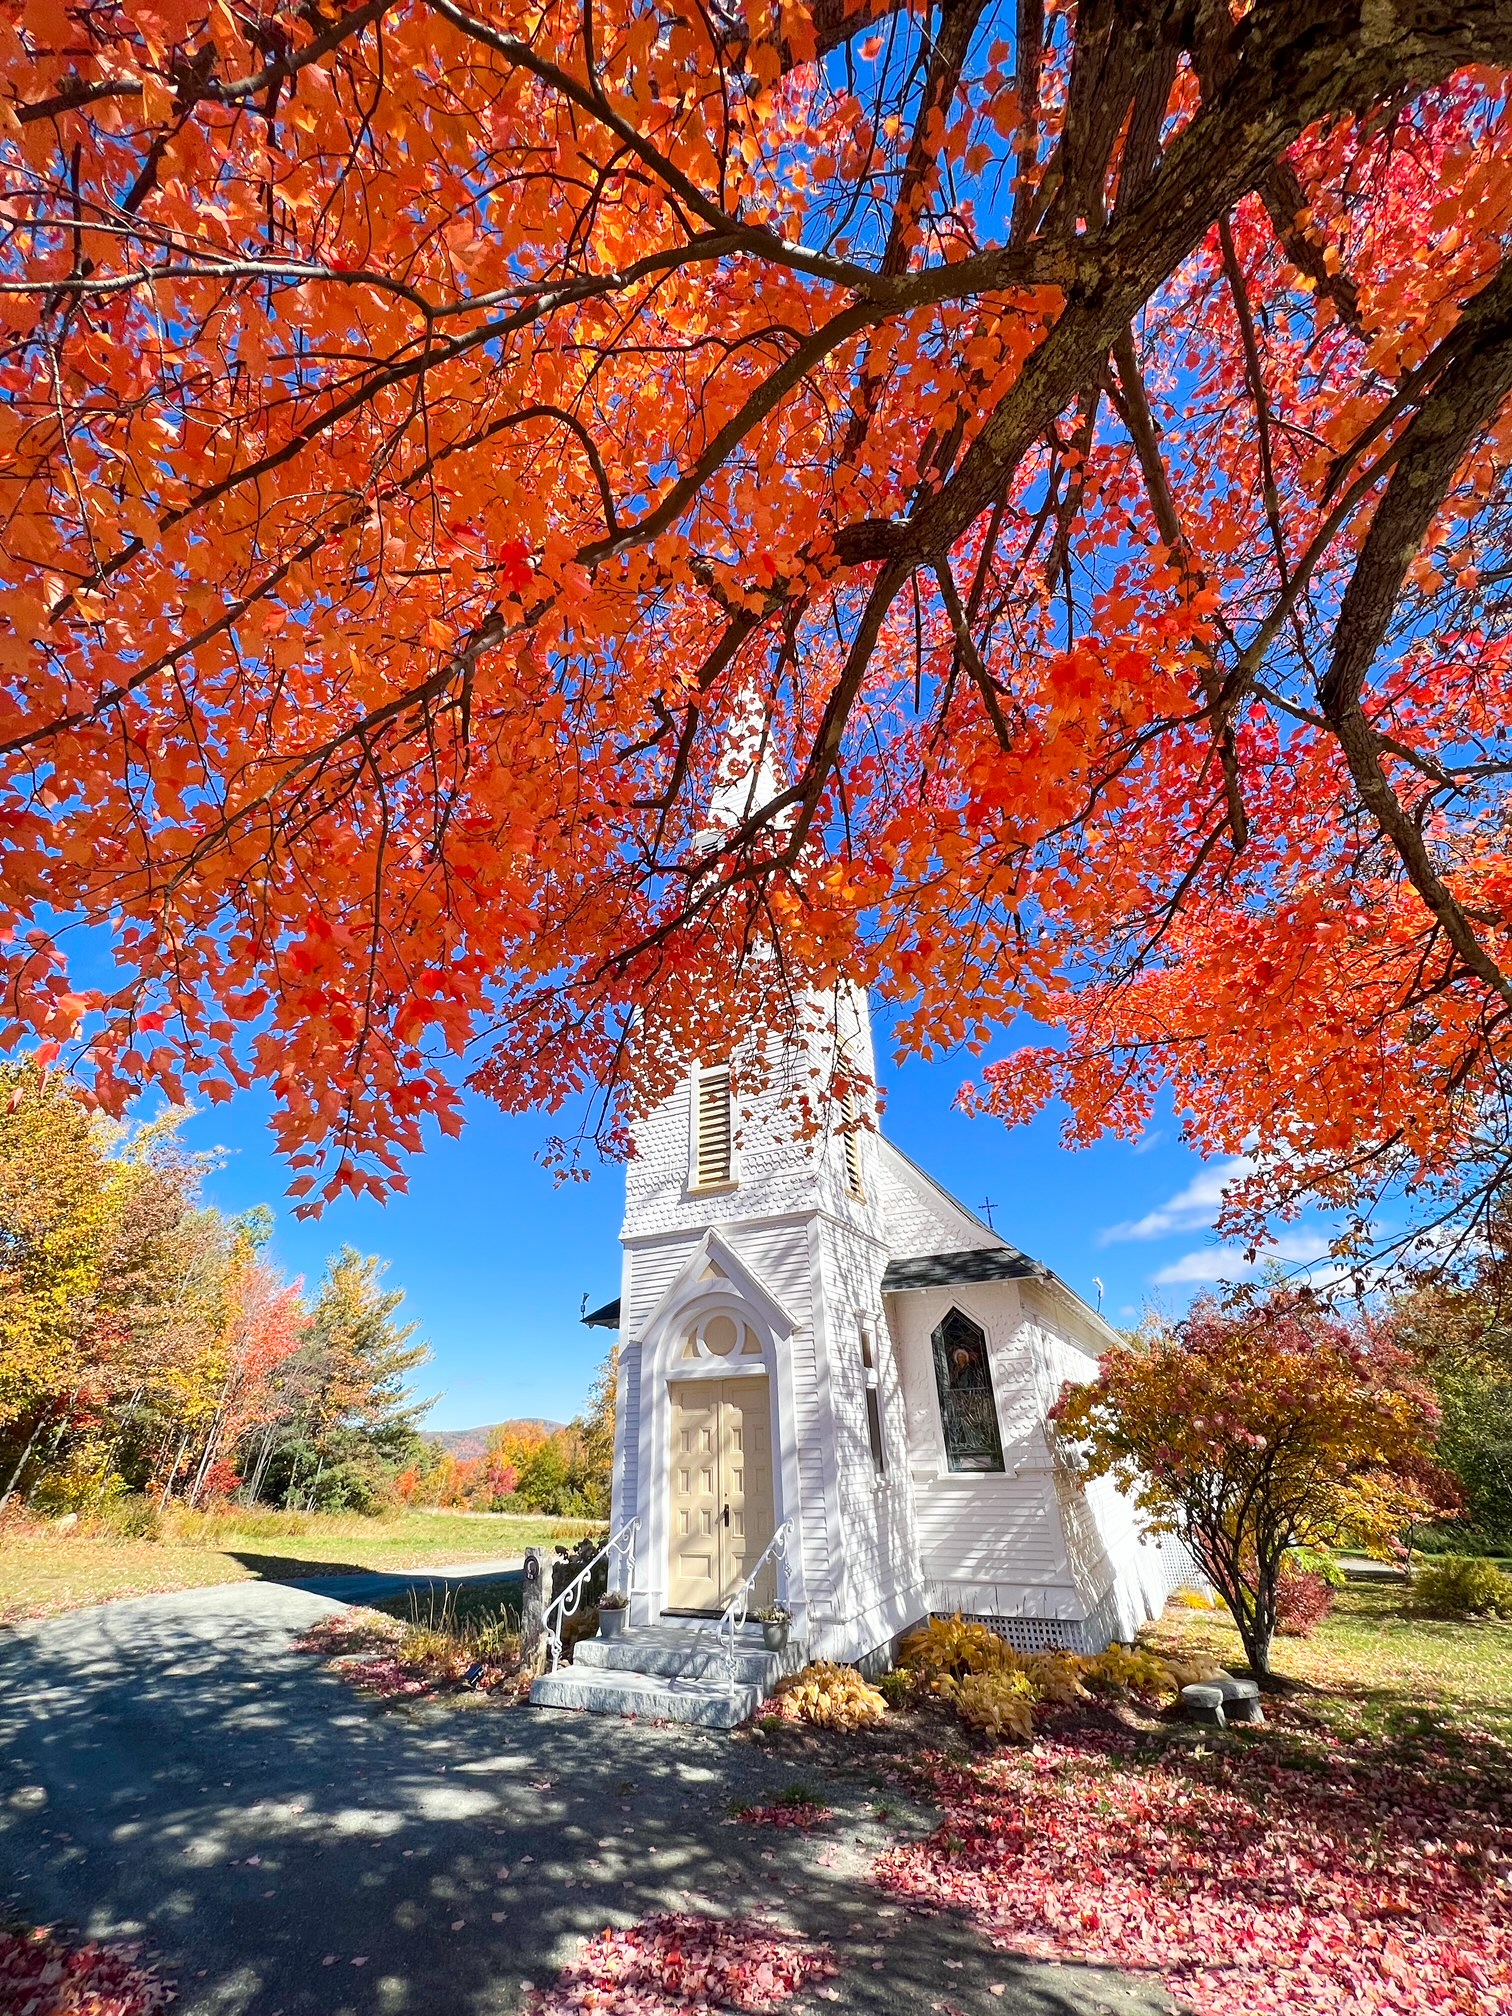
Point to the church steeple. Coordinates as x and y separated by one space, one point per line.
750 775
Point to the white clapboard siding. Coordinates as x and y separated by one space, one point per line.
653 1268
626 1475
989 1529
779 1255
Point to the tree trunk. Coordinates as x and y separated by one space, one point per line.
15 1476
252 1485
212 1441
57 1443
120 1436
1257 1646
1253 1612
1259 1628
173 1473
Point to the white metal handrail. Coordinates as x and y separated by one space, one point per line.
566 1605
735 1611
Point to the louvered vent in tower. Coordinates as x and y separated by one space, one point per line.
712 1145
850 1124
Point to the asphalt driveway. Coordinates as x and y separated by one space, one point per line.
171 1770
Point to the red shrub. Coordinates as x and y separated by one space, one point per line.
222 1482
1303 1600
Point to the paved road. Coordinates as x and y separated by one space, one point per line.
169 1768
358 1587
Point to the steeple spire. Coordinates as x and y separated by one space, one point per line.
750 774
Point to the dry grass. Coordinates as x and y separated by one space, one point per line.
427 1643
43 1569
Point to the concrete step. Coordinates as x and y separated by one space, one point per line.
610 1690
682 1655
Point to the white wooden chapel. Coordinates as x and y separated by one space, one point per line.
815 1336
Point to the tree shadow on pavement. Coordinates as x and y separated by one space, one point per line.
170 1769
289 1568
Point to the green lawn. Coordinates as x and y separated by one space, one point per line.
43 1570
1376 1666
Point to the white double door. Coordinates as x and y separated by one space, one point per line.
722 1510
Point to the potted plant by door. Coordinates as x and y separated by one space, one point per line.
774 1622
613 1610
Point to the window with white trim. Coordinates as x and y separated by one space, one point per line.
713 1132
873 1399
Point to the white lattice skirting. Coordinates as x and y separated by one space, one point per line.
1047 1634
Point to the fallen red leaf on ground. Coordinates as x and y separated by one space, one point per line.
1320 1875
685 1965
42 1976
782 1812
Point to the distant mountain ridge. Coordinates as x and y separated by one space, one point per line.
466 1443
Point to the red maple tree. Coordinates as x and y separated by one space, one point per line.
436 438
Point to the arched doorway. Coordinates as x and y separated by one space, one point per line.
721 1500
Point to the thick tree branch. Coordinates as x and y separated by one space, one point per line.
1464 402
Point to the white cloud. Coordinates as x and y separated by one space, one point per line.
1231 1263
1213 1263
1196 1205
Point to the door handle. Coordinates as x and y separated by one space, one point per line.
727 1515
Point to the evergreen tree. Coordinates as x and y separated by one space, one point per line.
350 1419
1461 1335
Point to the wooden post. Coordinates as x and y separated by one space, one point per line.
533 1604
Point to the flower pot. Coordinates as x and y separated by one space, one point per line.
774 1635
612 1622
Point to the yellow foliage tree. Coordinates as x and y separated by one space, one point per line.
56 1205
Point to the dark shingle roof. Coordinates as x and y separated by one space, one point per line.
927 1270
980 1263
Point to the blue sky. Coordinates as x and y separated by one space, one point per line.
495 1258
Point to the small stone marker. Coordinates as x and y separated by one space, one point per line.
1203 1703
1217 1702
1241 1699
533 1602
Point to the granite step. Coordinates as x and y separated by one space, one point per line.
686 1655
613 1690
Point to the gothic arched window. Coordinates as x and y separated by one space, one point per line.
968 1412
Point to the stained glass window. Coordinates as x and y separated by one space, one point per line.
968 1411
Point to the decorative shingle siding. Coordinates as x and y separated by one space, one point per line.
920 1217
777 1167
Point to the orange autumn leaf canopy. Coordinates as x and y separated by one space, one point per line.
1059 452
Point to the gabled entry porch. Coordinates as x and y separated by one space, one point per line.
715 1475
